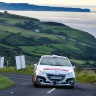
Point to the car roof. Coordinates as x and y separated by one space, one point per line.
53 56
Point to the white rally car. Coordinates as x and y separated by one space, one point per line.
53 70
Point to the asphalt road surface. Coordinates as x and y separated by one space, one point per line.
24 87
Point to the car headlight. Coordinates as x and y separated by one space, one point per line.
70 74
41 73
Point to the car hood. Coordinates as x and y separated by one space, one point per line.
54 69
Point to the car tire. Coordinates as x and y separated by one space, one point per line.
34 82
72 86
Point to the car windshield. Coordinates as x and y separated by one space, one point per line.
55 61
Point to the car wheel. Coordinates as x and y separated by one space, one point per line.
34 82
71 86
33 79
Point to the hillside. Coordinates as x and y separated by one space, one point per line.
25 6
29 36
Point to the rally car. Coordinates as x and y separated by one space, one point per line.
53 70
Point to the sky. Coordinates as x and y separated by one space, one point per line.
69 3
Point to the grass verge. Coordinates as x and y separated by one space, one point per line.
86 77
5 82
28 70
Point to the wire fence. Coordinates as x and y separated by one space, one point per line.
85 69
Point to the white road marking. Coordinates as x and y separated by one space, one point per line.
51 91
11 92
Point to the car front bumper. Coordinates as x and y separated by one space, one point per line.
45 81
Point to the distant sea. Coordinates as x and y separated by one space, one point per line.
78 20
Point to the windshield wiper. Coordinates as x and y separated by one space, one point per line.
57 65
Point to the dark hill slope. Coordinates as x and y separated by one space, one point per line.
25 6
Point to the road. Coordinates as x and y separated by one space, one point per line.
24 87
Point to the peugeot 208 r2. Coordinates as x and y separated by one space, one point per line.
53 70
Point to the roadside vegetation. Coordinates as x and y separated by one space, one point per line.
28 70
86 76
5 82
81 76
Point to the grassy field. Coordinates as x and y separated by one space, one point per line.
5 82
82 61
18 36
86 77
28 70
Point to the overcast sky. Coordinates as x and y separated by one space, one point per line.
70 3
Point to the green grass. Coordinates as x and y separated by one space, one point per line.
28 70
29 33
78 35
3 34
86 77
11 20
37 49
5 82
82 61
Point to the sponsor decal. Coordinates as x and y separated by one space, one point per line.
56 69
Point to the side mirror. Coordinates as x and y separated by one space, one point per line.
35 66
74 67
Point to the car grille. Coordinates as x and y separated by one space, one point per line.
53 77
